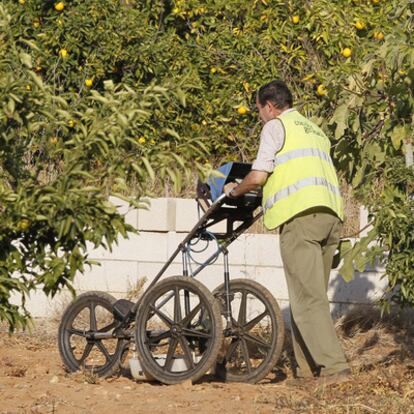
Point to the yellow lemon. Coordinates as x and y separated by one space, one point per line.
375 1
213 70
402 72
295 19
242 110
152 142
71 123
142 140
360 25
347 52
28 87
22 1
378 35
88 83
23 224
176 10
53 140
59 6
63 53
321 90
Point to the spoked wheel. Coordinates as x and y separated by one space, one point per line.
178 330
88 315
254 344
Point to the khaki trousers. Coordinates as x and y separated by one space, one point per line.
308 243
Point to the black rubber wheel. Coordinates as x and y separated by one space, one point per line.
90 313
178 341
251 349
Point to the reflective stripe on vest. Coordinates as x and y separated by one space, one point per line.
303 177
302 152
293 188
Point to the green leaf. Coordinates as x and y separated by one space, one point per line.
171 132
347 269
148 168
11 105
109 85
26 59
398 135
340 118
37 79
181 96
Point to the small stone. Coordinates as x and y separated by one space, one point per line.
187 385
20 386
54 380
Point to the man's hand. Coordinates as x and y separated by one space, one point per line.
252 181
228 188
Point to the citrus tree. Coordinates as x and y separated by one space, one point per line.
62 156
100 95
374 125
221 51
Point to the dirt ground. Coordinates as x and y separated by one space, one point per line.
381 353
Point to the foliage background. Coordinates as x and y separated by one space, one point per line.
101 97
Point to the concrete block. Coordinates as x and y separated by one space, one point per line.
201 250
159 217
111 276
237 251
173 241
272 278
150 269
131 213
124 249
145 246
41 306
151 247
58 304
263 250
364 288
213 276
187 216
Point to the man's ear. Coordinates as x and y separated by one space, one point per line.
272 106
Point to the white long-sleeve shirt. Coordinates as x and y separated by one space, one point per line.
272 138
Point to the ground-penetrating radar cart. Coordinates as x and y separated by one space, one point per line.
178 329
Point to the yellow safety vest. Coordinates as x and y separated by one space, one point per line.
304 176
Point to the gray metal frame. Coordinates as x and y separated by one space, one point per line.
225 240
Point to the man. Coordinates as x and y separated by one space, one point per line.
301 197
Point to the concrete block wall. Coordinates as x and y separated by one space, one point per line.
162 227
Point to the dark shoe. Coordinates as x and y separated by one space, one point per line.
337 378
300 381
